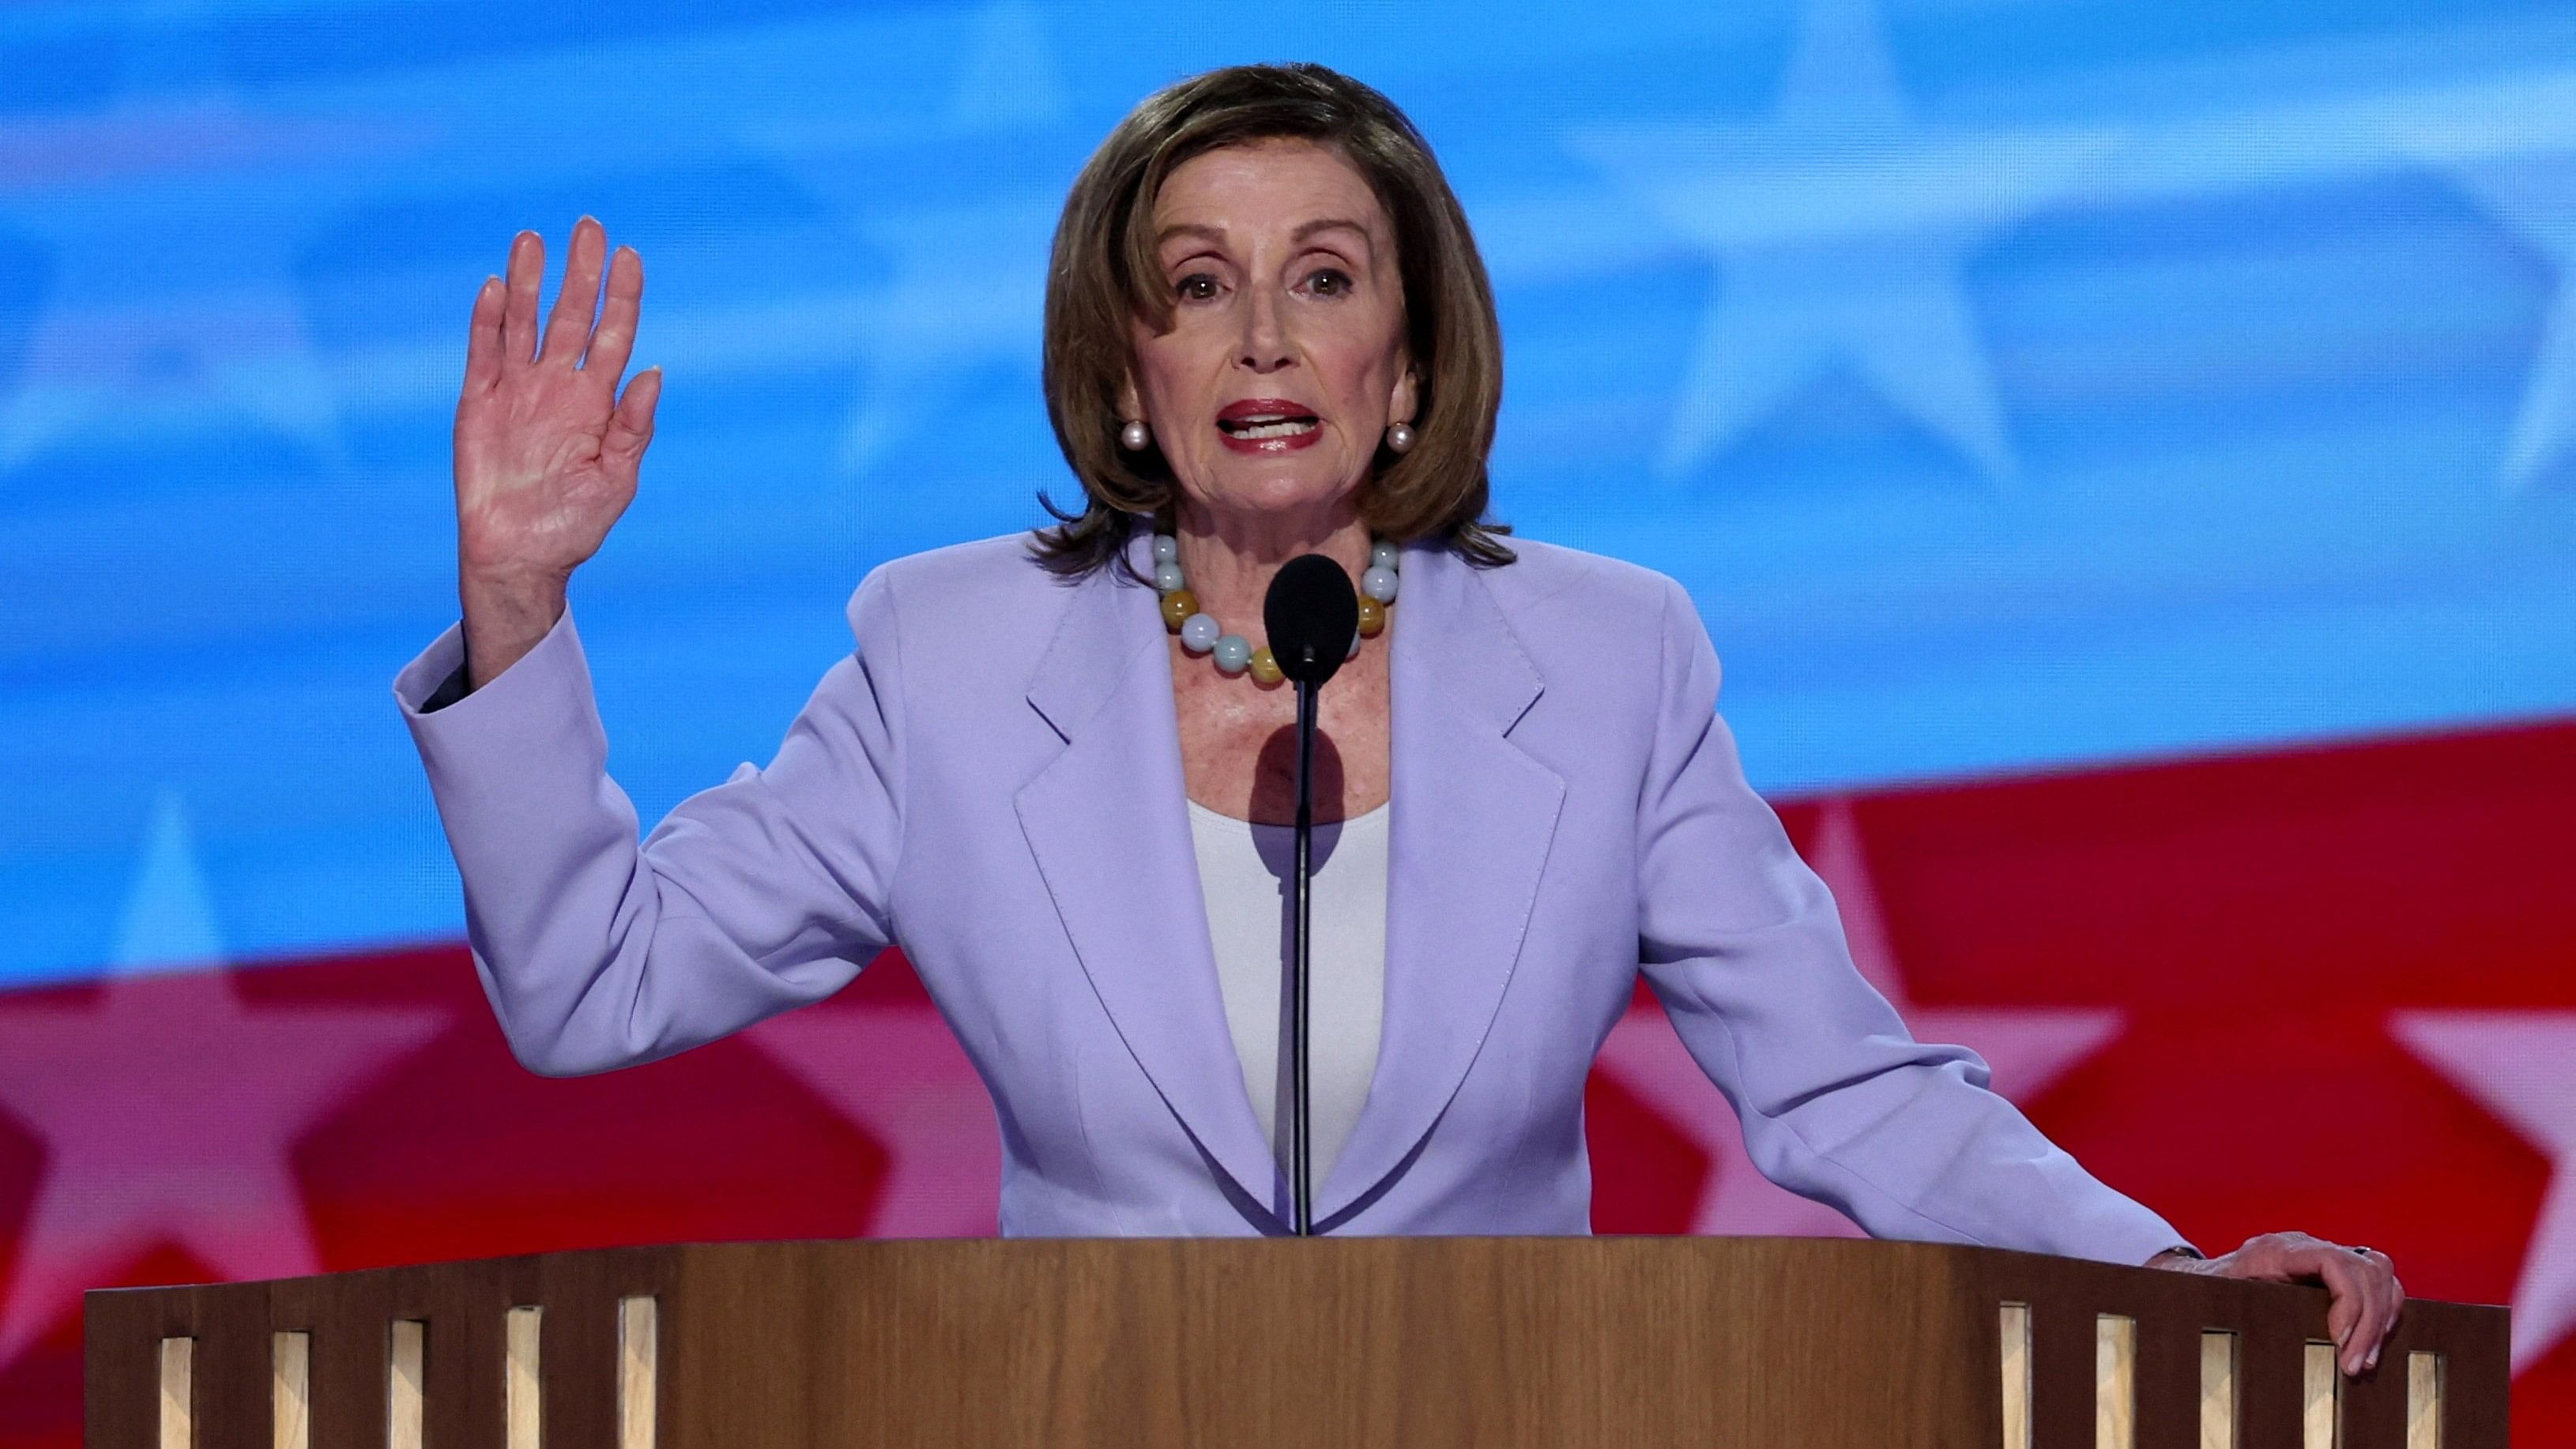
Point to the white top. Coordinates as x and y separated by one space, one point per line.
1244 872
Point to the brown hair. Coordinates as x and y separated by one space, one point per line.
1103 275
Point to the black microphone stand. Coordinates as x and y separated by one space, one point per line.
1301 1169
1310 611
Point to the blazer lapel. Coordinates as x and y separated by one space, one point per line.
1108 821
1473 819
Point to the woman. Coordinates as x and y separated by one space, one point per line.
1053 761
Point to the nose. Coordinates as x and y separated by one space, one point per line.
1264 347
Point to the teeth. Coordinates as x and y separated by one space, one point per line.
1267 428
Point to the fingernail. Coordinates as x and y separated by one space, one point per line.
2371 1362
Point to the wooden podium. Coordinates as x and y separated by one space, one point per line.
1602 1343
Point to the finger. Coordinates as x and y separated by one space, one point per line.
2343 1311
519 314
569 326
483 338
630 428
2356 1315
614 342
2388 1302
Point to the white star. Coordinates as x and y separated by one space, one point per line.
2535 196
2520 1065
894 1070
170 1108
2028 1048
1839 227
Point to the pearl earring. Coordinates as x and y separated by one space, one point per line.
1134 436
1399 438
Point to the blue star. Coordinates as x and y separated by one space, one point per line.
1839 226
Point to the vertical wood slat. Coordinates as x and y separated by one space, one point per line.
290 1412
2423 1400
406 1384
178 1393
639 1371
2217 1390
2323 1385
522 1392
2115 1382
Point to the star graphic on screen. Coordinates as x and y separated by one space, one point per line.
2028 1049
964 297
2521 1066
172 303
1839 227
2534 196
169 1107
167 316
965 282
894 1071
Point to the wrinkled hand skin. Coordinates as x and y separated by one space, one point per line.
2367 1296
546 449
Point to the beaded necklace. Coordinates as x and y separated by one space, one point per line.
1202 634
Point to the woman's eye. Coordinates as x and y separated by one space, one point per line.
1329 282
1196 287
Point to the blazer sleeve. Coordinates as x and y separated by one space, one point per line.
764 893
1742 944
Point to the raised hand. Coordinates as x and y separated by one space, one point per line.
546 448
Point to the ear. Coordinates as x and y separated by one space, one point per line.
1129 405
1403 400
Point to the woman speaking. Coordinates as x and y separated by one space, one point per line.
1055 767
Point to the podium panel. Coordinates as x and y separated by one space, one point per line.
1414 1342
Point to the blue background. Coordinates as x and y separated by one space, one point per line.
2015 386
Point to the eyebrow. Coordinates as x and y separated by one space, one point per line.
1304 232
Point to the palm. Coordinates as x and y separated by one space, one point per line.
546 451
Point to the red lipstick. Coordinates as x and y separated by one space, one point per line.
1264 426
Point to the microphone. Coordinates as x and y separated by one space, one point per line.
1311 614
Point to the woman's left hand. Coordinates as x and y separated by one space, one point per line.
2367 1295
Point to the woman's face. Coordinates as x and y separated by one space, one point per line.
1285 359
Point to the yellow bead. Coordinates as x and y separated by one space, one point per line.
1372 617
1265 666
1178 605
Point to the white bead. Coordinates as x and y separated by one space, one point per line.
1199 633
1167 549
1399 438
1233 652
1355 645
1134 436
1383 555
1167 577
1379 584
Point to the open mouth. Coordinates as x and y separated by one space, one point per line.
1268 425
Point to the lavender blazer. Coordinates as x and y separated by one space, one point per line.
993 781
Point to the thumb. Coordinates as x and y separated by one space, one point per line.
630 427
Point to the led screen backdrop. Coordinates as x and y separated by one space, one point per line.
2125 453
